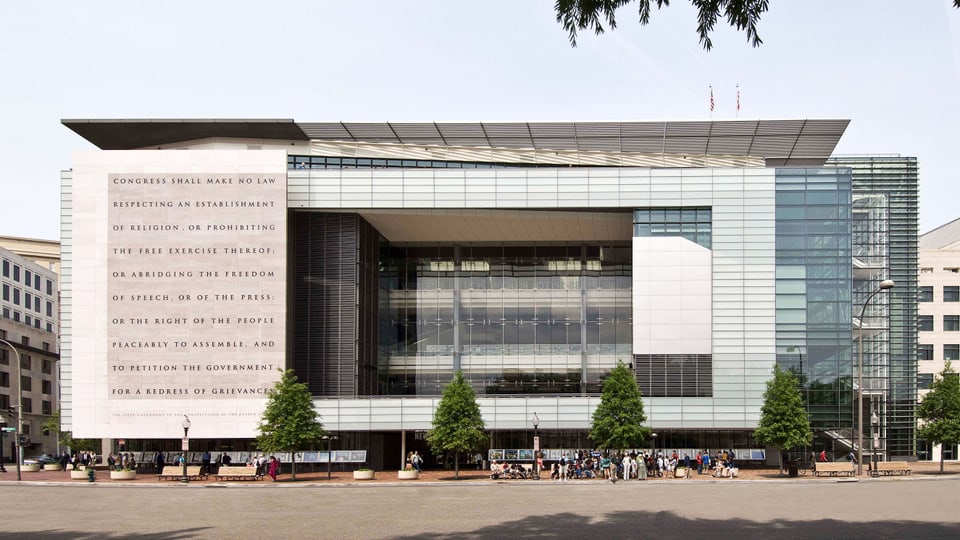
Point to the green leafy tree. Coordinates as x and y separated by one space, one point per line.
940 410
65 438
618 421
289 423
783 420
577 15
457 423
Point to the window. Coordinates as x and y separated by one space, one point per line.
49 288
925 323
45 346
27 300
924 380
6 268
46 407
925 352
951 293
951 323
952 269
926 270
4 379
27 408
16 272
36 281
25 361
16 296
46 387
925 294
47 366
6 292
4 402
27 277
951 351
49 309
25 340
4 357
26 384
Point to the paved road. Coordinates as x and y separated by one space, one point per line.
866 509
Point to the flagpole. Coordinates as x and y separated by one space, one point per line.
711 101
738 101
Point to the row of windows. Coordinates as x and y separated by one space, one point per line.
26 382
29 301
925 380
28 320
12 271
46 408
323 162
951 351
949 269
951 323
951 293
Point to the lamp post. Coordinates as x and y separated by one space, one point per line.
886 284
328 438
874 423
3 433
654 435
185 447
19 424
536 446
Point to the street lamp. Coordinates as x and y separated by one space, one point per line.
185 447
19 424
3 433
874 423
536 446
884 285
654 435
328 438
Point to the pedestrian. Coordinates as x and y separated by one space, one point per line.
823 455
563 468
417 460
274 468
205 463
159 461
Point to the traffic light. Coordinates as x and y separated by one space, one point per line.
24 440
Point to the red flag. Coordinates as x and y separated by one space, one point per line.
711 98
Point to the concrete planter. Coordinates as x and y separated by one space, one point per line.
78 474
52 467
30 467
123 475
364 475
408 475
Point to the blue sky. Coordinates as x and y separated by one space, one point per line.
891 67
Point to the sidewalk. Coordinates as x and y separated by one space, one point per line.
918 470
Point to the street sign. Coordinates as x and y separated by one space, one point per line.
185 444
9 429
536 444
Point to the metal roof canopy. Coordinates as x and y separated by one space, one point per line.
804 142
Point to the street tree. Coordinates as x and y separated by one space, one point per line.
618 421
457 424
940 410
577 15
783 419
65 438
289 422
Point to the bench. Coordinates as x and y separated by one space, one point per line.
175 472
833 468
237 472
888 468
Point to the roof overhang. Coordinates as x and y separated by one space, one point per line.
131 134
780 143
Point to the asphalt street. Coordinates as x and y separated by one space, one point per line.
891 508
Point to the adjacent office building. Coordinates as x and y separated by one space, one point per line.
939 316
377 259
29 392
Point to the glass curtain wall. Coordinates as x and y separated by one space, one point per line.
813 284
516 319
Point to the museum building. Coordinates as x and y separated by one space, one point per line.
377 259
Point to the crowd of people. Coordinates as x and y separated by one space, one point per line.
634 465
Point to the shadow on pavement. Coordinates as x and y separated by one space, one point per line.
660 525
64 534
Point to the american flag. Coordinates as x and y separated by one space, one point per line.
711 98
738 98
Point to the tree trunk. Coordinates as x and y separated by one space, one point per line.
941 458
456 465
780 459
293 466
